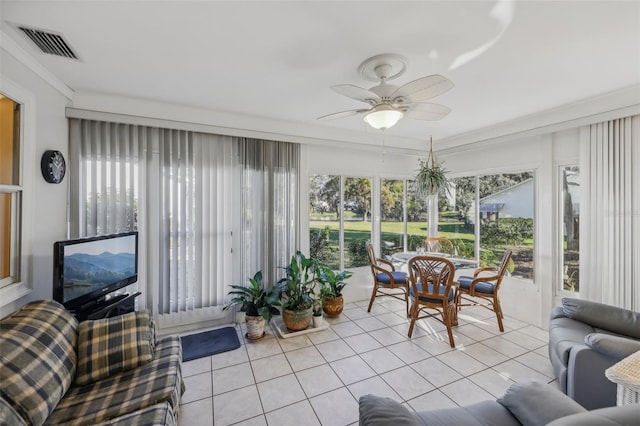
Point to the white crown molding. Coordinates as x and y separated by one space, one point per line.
11 46
608 106
101 106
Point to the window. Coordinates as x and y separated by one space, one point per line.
482 215
417 215
324 220
502 206
401 228
456 219
357 220
340 220
506 210
11 190
393 225
570 227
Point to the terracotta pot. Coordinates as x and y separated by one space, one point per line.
255 327
297 320
333 306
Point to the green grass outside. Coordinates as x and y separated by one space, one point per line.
362 229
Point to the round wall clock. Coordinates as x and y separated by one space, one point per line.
53 166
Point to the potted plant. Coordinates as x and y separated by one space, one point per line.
431 177
297 292
431 180
332 284
258 304
317 313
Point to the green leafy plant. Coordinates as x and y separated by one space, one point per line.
254 299
332 283
320 243
358 252
431 178
296 289
317 307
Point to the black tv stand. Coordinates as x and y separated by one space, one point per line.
107 307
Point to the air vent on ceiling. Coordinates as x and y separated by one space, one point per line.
48 42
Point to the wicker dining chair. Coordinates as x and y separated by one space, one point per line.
484 287
386 277
438 245
432 287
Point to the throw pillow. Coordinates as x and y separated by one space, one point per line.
612 318
535 404
376 410
111 345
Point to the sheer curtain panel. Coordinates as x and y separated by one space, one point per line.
610 227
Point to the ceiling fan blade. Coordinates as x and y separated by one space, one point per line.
423 88
427 112
357 93
342 114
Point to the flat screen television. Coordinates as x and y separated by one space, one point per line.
85 270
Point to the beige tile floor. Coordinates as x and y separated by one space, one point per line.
317 378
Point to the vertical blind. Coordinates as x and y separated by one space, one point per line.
196 219
610 227
105 158
210 209
105 181
270 206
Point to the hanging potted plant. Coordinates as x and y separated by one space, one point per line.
431 177
431 180
297 292
331 290
258 304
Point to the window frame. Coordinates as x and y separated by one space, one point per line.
373 213
21 284
477 174
559 286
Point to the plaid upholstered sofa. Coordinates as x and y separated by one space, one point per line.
54 370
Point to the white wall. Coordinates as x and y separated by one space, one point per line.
48 202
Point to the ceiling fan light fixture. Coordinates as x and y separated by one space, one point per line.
383 117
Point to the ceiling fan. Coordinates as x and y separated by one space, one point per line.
389 103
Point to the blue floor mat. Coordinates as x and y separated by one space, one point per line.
207 343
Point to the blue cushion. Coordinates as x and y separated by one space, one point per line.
441 290
398 276
481 287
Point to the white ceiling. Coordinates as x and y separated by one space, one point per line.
275 61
